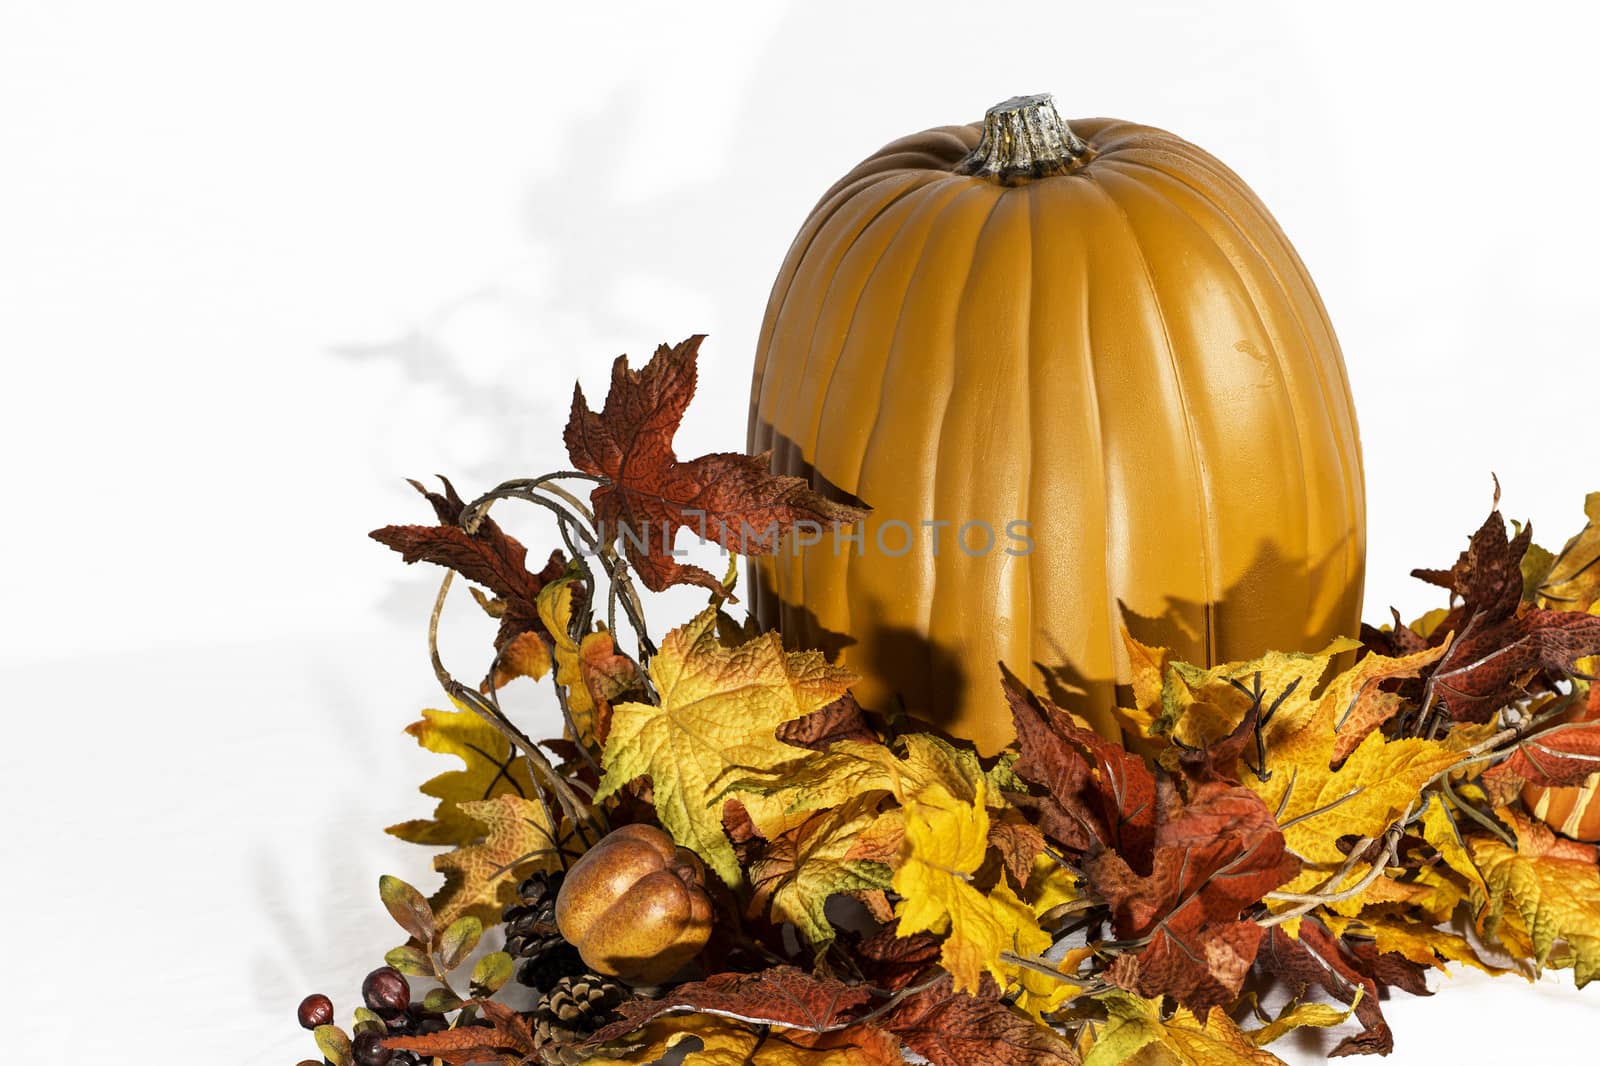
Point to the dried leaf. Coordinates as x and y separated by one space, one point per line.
490 557
728 1042
952 1028
729 498
807 865
1571 580
1551 885
780 995
1134 1024
508 1040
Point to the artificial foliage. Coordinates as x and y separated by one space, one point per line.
1315 830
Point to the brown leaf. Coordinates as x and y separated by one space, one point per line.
1096 793
951 1028
892 961
782 995
1316 960
1489 668
490 557
608 675
729 498
1218 851
842 719
1018 842
508 1040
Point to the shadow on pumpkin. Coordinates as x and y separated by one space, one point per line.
929 682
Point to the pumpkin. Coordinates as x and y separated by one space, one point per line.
1084 383
635 905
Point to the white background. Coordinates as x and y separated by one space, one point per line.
259 263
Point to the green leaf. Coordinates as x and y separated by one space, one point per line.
408 907
333 1044
458 940
439 1000
366 1019
410 960
491 973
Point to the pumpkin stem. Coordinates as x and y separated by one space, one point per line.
1024 138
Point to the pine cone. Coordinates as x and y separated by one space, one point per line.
547 962
574 1008
532 936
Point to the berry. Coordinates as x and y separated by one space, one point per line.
316 1009
370 1051
386 991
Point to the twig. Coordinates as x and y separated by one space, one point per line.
1324 809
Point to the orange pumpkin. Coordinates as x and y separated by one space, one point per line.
1083 381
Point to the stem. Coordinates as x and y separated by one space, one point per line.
1024 138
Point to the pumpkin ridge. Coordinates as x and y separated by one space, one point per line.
933 621
1201 475
1251 296
817 572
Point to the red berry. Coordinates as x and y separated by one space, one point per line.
386 991
316 1009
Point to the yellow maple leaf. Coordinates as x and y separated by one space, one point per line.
1551 885
1374 786
946 839
1134 1027
720 707
1440 830
491 770
1570 581
1199 705
1359 705
726 1042
480 879
555 611
804 867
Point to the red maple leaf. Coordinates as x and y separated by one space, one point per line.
1504 649
489 556
1559 758
1095 793
649 494
1218 851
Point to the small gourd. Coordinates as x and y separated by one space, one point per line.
635 905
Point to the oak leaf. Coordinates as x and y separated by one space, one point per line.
488 556
720 707
649 494
492 769
508 1040
1552 885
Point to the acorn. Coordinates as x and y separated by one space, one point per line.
635 905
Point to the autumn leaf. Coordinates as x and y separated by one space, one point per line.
720 707
1200 704
589 668
807 865
1570 580
780 995
508 1039
1218 850
1556 758
1501 649
946 840
481 878
1134 1023
492 769
490 557
842 719
649 494
1094 792
1361 704
1315 959
1552 886
726 1042
953 1028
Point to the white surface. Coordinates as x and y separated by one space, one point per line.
259 263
